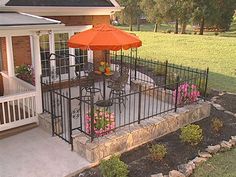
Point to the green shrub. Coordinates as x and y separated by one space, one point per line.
160 70
216 125
158 151
191 134
114 167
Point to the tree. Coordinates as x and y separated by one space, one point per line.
205 12
185 10
154 10
225 10
173 12
131 12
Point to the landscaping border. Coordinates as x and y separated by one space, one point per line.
187 169
135 135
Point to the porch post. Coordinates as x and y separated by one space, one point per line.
71 58
10 59
52 51
38 72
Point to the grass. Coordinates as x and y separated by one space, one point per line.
216 52
221 165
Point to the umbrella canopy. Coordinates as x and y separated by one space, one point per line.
104 37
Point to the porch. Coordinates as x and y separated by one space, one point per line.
17 103
35 153
23 43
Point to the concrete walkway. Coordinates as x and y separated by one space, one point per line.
35 153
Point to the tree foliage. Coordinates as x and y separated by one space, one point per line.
131 12
216 13
155 11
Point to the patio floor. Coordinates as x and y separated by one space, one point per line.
35 153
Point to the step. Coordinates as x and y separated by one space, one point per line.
14 131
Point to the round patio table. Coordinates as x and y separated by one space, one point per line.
104 77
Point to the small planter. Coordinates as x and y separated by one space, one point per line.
187 94
104 122
26 73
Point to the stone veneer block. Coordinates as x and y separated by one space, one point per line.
45 122
127 138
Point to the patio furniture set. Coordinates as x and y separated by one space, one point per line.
97 100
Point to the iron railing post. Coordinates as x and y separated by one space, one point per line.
166 72
206 84
121 61
139 103
177 93
42 94
135 68
92 118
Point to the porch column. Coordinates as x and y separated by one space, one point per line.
38 72
10 59
52 50
71 58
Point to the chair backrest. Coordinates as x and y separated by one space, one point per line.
124 70
88 67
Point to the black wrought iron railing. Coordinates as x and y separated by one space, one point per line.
152 88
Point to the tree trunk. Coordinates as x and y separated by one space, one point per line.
177 26
138 24
155 28
123 17
131 23
202 26
183 30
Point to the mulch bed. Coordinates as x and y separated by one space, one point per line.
141 165
228 101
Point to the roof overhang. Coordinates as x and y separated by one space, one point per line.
43 29
14 21
63 11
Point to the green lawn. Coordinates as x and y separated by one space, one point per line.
221 165
216 52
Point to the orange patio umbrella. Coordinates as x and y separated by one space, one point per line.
104 37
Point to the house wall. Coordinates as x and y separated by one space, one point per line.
85 20
21 50
21 44
4 53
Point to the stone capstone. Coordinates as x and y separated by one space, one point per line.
175 173
225 145
199 160
213 149
186 169
205 154
218 107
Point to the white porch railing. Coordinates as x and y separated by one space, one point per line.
18 105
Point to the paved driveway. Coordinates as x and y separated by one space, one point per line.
35 153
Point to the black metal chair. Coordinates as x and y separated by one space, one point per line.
118 74
88 84
86 68
118 90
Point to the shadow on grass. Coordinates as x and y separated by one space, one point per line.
222 82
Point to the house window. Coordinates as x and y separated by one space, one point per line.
62 50
81 58
44 53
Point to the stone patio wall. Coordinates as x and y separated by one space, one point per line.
127 138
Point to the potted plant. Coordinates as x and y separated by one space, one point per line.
26 73
105 68
187 93
104 122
